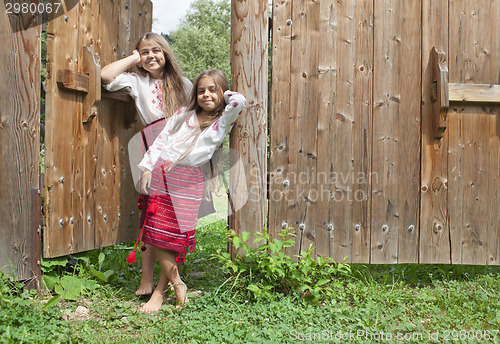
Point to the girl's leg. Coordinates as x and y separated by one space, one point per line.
156 300
148 264
169 273
172 269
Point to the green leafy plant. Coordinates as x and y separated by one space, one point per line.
268 269
72 276
22 317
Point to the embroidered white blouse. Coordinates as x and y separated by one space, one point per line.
171 146
146 92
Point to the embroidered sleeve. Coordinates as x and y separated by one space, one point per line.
236 102
212 138
157 99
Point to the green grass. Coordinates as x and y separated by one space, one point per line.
376 303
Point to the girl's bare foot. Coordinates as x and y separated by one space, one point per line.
180 294
154 303
145 288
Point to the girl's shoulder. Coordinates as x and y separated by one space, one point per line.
181 114
181 111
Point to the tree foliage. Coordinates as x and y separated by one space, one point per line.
202 40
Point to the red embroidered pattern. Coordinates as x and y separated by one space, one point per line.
159 96
187 122
216 125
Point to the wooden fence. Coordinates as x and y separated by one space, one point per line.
362 164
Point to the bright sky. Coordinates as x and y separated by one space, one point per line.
167 14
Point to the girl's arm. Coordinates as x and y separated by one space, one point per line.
112 70
154 152
213 136
236 102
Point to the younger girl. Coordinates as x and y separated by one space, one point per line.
159 88
172 173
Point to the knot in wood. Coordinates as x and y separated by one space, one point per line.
438 227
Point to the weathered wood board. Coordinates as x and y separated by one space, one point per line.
90 199
248 141
20 142
474 140
355 168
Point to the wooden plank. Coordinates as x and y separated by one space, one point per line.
19 140
96 203
313 224
474 93
492 238
474 54
323 213
120 95
303 120
439 89
279 189
434 245
105 164
129 125
61 156
80 82
455 177
396 132
331 182
116 212
73 80
91 66
346 190
249 60
335 129
362 139
88 139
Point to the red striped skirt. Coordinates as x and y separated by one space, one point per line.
177 194
149 134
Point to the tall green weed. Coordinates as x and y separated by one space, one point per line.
261 272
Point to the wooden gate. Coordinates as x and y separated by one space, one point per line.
89 191
19 142
355 165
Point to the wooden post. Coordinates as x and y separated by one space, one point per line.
434 245
249 65
19 139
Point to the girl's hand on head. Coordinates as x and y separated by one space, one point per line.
137 57
145 182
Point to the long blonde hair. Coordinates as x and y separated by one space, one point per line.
212 170
174 91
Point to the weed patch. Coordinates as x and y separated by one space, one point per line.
299 299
